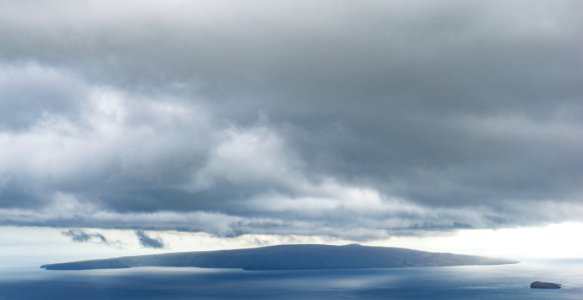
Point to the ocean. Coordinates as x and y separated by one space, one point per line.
467 282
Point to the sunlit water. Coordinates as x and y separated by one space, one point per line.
476 282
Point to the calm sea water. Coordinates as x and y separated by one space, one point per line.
476 282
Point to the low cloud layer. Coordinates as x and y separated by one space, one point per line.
80 236
354 120
149 242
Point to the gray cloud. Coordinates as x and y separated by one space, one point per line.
379 118
149 242
30 95
80 236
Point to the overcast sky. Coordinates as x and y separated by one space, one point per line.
352 120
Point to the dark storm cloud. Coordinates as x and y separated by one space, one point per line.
149 242
375 117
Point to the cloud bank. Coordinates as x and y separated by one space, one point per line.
357 120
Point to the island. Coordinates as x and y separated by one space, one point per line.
544 285
289 257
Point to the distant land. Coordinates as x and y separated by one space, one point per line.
288 257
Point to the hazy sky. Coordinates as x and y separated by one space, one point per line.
334 120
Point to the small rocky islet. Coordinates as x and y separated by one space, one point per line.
544 285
